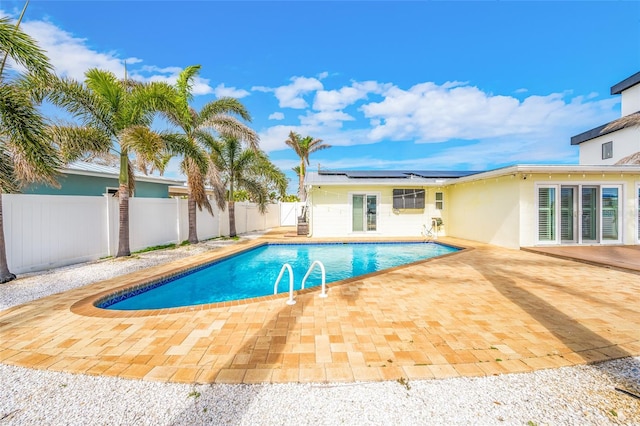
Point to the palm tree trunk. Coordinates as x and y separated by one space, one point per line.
193 230
5 274
301 191
232 218
123 232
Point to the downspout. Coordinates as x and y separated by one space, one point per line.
310 210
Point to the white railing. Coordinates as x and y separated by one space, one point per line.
323 293
286 266
291 301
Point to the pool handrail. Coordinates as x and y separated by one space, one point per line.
291 300
324 286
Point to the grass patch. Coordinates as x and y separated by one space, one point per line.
154 248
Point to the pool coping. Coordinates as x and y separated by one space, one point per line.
87 306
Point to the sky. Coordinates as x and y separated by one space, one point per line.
447 85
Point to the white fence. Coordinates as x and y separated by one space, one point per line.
289 213
47 231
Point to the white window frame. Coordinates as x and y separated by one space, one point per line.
441 201
579 184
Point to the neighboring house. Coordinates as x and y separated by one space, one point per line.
610 147
593 203
80 178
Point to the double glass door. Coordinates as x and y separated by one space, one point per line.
581 214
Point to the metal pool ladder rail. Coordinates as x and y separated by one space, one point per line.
286 266
291 300
324 286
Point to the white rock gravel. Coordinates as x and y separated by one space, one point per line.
582 395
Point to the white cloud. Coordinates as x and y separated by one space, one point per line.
292 95
222 91
70 55
331 100
327 118
276 116
427 112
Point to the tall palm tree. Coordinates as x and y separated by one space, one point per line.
115 115
243 169
220 116
25 153
304 147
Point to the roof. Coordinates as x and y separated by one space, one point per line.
625 84
383 177
341 178
99 170
597 131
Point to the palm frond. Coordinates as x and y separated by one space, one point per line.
23 49
185 81
8 179
195 178
106 85
23 134
75 142
148 146
224 106
231 126
82 104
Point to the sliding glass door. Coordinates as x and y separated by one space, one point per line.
364 212
582 214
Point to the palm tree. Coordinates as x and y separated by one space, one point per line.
219 115
243 169
115 115
25 153
304 147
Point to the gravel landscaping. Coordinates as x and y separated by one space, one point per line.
582 395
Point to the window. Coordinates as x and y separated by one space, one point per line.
607 150
408 198
439 201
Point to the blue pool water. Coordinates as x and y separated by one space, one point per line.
253 273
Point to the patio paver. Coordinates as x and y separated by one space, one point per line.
484 311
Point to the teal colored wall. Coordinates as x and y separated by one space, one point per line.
92 186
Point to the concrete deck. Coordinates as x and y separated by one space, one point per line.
483 311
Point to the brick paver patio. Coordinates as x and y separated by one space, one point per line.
483 311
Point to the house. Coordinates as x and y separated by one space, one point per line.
81 178
592 203
516 206
599 146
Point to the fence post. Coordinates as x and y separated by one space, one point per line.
108 220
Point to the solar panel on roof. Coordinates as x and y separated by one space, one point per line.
398 174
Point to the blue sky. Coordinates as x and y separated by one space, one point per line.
390 85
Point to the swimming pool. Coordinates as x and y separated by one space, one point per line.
253 273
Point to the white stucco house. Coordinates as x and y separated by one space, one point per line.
599 146
515 206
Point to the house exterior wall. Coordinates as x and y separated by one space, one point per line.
625 142
630 100
72 184
487 211
331 212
